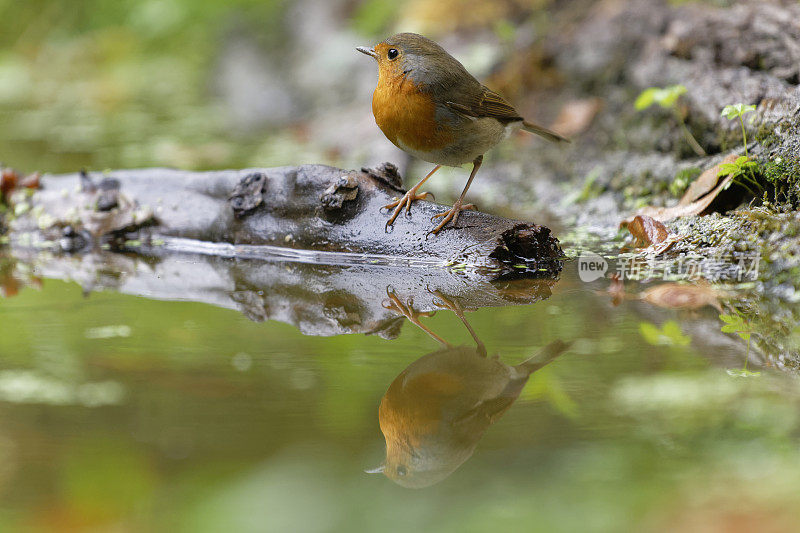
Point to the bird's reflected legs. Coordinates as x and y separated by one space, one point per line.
408 198
446 303
393 303
451 215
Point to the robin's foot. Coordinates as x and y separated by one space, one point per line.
408 198
406 309
445 302
394 303
452 305
450 215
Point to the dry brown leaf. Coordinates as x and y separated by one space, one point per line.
576 116
681 296
11 180
647 230
652 233
705 182
8 181
665 214
664 246
686 206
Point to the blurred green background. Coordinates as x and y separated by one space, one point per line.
98 84
219 84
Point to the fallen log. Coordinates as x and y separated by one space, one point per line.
308 214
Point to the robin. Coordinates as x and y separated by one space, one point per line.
428 105
435 412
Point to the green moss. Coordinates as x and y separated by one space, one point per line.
765 135
783 175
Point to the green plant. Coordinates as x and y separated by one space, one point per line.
667 98
734 111
742 173
737 324
743 169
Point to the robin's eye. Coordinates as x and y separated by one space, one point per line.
392 53
401 470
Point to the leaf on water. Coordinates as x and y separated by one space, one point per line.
681 296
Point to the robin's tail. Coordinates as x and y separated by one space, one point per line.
546 355
544 132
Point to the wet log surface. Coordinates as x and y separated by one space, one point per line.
307 214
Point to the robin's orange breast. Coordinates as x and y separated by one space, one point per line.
412 409
407 116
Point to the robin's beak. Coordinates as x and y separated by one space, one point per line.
368 51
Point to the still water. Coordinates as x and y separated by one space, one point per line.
200 394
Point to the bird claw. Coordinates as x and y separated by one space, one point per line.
406 309
444 302
408 198
451 214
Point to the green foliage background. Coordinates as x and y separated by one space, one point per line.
119 84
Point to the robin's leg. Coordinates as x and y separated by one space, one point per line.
407 310
453 212
409 197
452 305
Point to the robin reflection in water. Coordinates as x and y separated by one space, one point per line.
437 409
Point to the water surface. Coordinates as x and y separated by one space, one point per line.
127 406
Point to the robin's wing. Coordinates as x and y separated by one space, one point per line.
485 103
487 412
